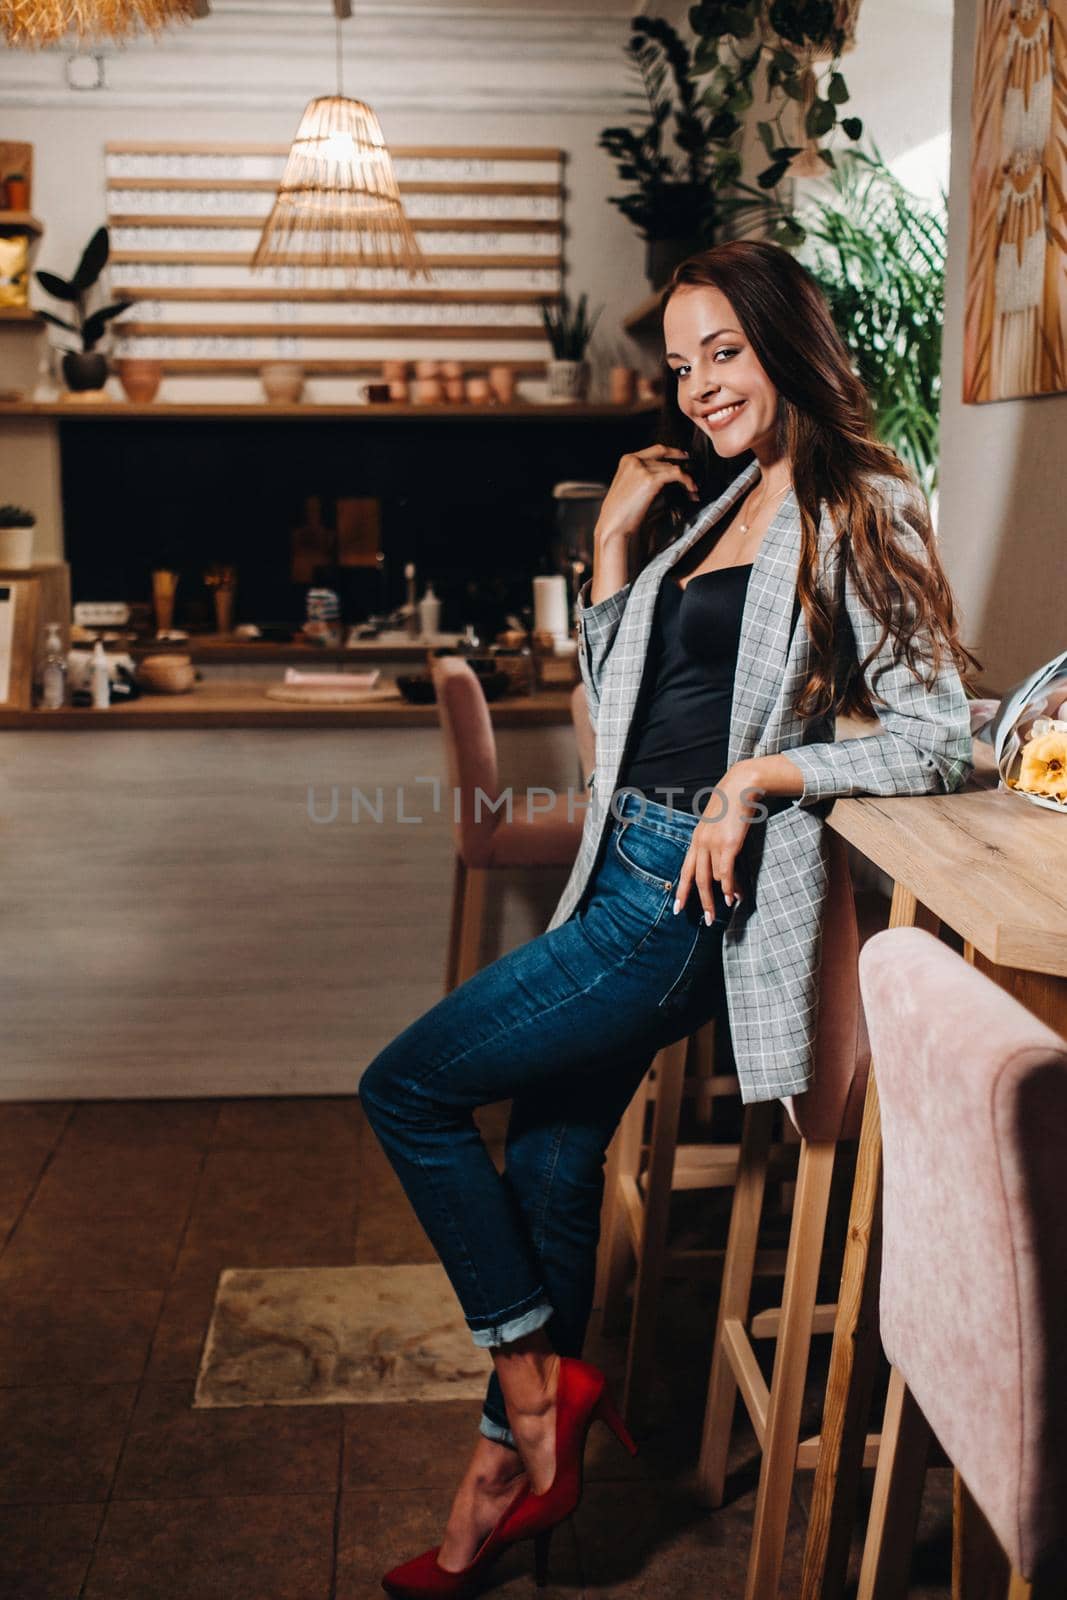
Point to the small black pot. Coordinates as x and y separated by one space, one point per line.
83 370
663 255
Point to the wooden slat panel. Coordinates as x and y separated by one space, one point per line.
427 224
243 258
399 152
551 191
333 366
495 173
462 297
327 330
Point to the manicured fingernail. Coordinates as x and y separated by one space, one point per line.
677 905
709 917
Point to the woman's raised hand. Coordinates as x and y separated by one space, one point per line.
640 477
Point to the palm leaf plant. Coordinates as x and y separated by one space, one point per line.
878 252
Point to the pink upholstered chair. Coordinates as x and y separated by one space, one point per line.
973 1092
538 833
827 1115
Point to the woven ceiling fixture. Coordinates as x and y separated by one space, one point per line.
338 203
33 23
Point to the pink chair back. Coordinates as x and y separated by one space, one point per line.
583 730
833 1107
470 755
973 1092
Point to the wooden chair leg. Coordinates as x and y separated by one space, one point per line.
700 1067
472 923
897 1497
622 1206
455 923
738 1271
980 1569
782 1436
640 1355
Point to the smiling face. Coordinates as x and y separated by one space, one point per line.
722 387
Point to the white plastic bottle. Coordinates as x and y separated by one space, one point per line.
430 613
101 680
54 677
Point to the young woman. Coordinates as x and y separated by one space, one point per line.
714 667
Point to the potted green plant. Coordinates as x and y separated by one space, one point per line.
684 164
879 253
568 329
679 161
16 536
86 368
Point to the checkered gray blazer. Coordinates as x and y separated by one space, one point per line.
771 947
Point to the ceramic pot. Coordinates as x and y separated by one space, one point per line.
478 391
140 378
568 381
283 382
84 370
16 547
166 674
622 386
17 192
502 383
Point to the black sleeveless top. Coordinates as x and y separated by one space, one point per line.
681 727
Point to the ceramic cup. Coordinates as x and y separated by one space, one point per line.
502 384
622 386
283 382
140 378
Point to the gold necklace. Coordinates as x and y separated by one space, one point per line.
743 527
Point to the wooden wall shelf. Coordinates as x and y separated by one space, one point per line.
80 411
20 222
643 320
20 317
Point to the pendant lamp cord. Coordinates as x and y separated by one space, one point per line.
338 53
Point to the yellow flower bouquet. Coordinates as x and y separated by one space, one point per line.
1028 732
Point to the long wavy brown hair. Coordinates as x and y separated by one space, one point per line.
826 430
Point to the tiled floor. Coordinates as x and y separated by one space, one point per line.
116 1219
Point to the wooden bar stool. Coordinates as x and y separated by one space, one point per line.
488 839
642 1172
826 1115
973 1092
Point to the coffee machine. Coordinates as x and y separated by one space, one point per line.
577 509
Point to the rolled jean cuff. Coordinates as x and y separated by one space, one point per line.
497 1432
515 1326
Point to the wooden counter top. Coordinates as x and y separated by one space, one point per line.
985 862
244 705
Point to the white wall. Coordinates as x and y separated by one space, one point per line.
1004 467
436 74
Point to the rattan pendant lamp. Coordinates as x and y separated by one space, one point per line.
338 204
33 23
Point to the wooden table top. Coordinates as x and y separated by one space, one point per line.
218 704
987 863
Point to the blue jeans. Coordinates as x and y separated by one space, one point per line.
565 1027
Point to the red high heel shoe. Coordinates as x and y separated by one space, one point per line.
424 1579
581 1399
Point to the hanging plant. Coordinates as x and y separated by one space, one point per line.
683 161
790 36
